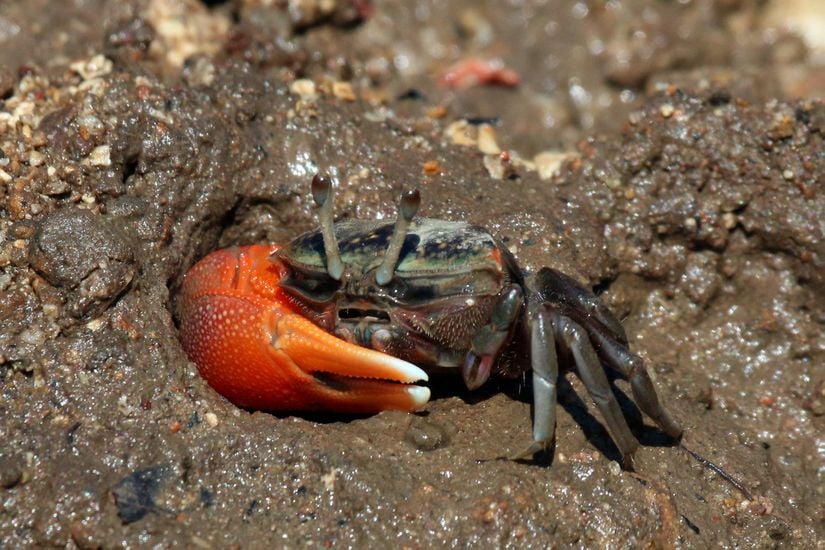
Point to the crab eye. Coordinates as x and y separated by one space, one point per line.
317 288
406 291
398 290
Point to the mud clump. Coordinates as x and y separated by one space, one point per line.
86 256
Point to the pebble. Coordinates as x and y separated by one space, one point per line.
426 435
100 156
304 88
549 162
461 133
487 140
211 419
135 494
11 471
95 67
343 90
36 158
32 336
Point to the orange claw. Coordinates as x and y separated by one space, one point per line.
259 352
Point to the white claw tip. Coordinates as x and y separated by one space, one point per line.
420 395
406 372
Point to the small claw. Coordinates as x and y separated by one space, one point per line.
476 370
259 352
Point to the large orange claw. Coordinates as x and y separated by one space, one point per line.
258 352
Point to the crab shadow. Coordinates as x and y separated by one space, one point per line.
446 386
570 400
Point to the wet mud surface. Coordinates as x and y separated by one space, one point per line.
669 155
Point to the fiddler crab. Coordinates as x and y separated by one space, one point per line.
339 318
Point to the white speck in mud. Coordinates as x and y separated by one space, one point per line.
329 479
582 471
95 67
211 419
304 88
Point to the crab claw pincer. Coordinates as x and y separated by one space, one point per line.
256 350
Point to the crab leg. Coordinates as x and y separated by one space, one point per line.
254 348
632 368
575 338
545 366
558 288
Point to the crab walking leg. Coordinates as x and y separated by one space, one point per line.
590 370
545 366
632 368
491 338
558 288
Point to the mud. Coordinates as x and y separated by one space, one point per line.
682 179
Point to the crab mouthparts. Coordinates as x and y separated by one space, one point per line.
351 313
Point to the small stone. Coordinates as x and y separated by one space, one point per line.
55 187
4 176
548 163
135 494
304 88
36 158
343 90
614 468
729 220
494 166
788 175
439 111
50 310
461 133
32 336
487 140
211 419
431 167
90 125
328 479
11 471
613 183
426 435
100 156
92 68
666 110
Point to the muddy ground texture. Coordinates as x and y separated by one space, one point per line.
680 173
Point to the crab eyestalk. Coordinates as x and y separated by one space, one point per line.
407 209
322 192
